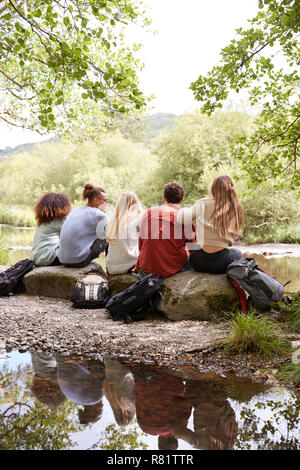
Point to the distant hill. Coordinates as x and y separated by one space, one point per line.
9 151
152 126
159 121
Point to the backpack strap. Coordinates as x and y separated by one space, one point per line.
240 292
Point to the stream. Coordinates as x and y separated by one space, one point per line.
60 402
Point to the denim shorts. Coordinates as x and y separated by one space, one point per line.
214 263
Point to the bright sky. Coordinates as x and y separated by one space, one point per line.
190 35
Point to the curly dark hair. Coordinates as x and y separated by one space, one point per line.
52 206
173 192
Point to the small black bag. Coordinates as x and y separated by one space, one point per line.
130 304
91 291
11 277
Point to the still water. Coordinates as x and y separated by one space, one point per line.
60 402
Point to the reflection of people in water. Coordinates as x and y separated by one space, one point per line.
82 383
45 386
119 390
215 426
162 407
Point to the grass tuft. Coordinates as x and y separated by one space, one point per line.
289 372
254 333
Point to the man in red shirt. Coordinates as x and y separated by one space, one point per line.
162 241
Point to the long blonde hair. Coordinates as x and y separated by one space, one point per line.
228 214
127 207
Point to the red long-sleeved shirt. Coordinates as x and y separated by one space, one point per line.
162 241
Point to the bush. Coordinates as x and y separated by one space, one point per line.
196 143
116 164
252 333
19 216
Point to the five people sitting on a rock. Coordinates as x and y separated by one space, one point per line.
160 240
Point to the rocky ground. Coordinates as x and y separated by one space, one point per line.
30 323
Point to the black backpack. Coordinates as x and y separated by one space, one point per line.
131 304
262 288
91 291
11 277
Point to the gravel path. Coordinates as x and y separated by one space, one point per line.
39 323
29 323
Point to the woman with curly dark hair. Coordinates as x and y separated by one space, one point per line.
50 213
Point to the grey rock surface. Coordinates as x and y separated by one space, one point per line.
196 296
188 295
55 281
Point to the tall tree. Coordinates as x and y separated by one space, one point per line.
264 59
64 61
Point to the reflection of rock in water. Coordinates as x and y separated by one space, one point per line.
119 390
44 365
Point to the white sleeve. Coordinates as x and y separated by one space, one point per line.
187 215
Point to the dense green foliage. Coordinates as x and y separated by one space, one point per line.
290 372
265 60
111 164
196 145
64 63
198 149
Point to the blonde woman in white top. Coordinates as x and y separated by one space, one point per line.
122 234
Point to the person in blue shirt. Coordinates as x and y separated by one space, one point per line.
50 213
83 236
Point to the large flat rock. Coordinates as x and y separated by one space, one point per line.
188 295
196 296
55 281
185 296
